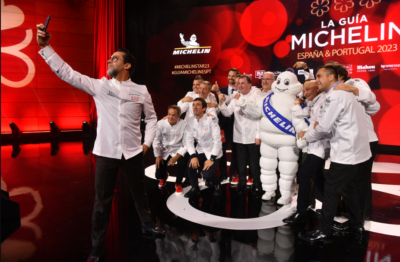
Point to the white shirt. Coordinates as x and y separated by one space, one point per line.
169 139
262 93
119 108
230 88
193 95
344 116
188 108
313 111
245 128
368 99
206 133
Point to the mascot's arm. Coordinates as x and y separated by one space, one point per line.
299 112
253 111
299 125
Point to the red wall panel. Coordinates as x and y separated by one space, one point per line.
32 105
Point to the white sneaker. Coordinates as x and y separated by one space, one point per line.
268 195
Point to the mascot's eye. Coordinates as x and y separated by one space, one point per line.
278 82
287 82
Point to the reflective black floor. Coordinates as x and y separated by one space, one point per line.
56 193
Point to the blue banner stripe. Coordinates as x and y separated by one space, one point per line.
277 119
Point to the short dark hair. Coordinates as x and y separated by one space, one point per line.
332 62
330 70
128 58
342 72
177 108
238 76
248 78
203 102
234 70
198 77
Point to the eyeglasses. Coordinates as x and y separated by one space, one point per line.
268 79
113 59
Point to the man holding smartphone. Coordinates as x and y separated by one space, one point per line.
119 103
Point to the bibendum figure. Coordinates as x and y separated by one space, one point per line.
191 43
278 136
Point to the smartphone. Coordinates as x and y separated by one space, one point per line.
46 24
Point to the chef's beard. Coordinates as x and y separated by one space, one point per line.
112 73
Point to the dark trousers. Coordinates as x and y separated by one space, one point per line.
223 163
106 175
341 179
312 168
208 175
161 172
364 184
248 153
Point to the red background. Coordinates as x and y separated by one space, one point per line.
46 98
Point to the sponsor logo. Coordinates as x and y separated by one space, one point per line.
259 73
191 47
349 68
365 68
390 67
301 72
276 73
251 75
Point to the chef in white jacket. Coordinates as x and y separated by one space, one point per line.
205 156
317 151
367 98
343 116
169 148
246 134
204 92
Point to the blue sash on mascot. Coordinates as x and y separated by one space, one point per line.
277 119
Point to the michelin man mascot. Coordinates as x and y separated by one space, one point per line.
278 136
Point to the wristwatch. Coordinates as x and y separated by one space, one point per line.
212 158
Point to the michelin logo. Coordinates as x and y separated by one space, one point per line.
191 47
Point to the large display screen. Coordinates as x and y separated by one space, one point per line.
271 35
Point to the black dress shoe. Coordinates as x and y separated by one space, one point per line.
257 190
295 218
315 236
357 233
151 228
241 189
192 192
96 255
217 190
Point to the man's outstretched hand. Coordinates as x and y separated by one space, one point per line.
42 37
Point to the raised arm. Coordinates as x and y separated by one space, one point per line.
61 68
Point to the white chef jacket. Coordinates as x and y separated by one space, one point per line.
119 108
188 108
313 112
206 133
193 95
169 139
245 128
368 99
263 94
344 116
